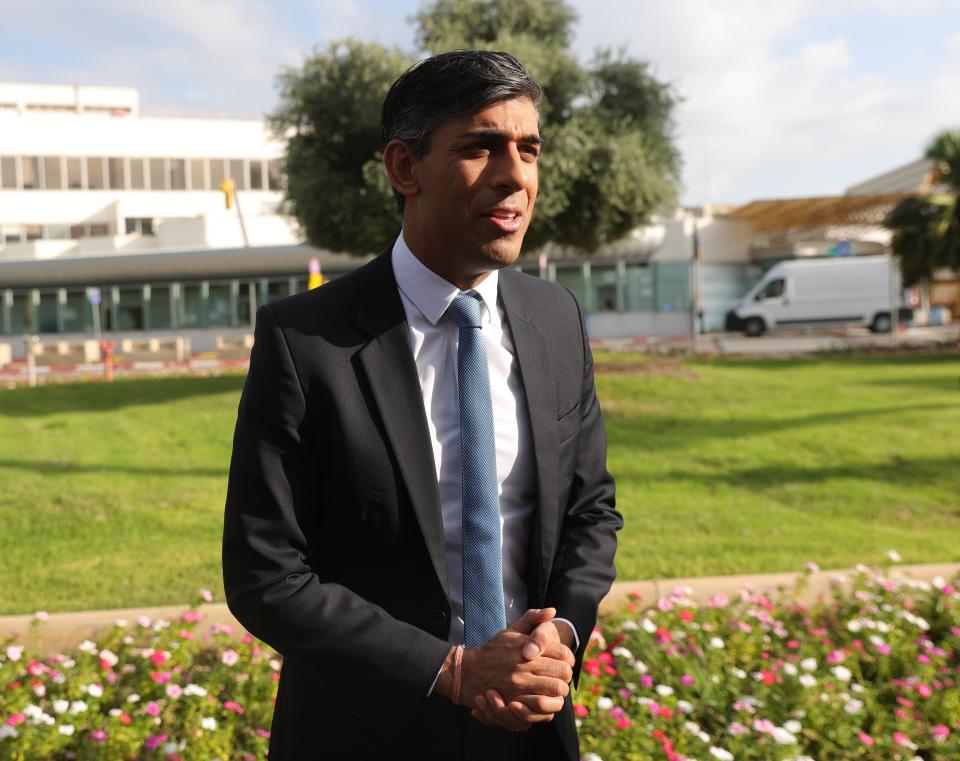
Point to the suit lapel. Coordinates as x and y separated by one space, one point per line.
392 374
538 384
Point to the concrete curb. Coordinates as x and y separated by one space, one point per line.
62 631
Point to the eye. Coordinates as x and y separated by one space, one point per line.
530 150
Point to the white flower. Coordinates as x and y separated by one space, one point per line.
738 673
120 623
622 652
88 647
109 656
77 706
641 667
65 729
858 688
894 556
133 698
842 673
808 680
809 664
854 625
789 669
716 644
604 703
59 706
274 664
115 712
630 625
195 690
33 711
853 706
664 690
782 736
685 706
208 723
648 626
692 727
170 747
7 731
721 754
14 652
704 737
94 690
591 757
793 726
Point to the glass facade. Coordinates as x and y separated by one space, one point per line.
601 286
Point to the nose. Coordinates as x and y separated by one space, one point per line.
511 171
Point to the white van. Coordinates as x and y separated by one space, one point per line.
821 292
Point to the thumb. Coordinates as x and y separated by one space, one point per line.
532 619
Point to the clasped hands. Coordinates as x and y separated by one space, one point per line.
520 677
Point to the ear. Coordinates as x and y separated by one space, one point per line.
400 163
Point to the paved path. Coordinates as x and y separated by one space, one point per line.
66 630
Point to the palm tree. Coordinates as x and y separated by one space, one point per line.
926 229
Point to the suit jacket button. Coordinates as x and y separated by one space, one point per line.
438 617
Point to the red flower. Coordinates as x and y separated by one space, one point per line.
686 616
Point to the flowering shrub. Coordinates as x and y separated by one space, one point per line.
870 674
146 690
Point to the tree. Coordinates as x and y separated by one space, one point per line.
926 229
609 161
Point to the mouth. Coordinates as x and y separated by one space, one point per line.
506 219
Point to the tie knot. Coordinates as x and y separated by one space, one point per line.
464 310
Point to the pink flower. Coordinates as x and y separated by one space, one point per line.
160 677
221 629
836 656
186 634
901 739
718 600
940 732
812 567
265 733
174 691
235 707
686 680
793 644
159 657
229 657
883 648
763 725
924 691
191 616
865 739
206 595
646 681
579 710
925 659
153 708
16 718
664 604
623 722
155 741
98 735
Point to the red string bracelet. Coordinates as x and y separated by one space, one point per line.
457 673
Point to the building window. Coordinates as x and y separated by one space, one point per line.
52 176
8 173
256 174
95 176
139 225
118 179
158 180
56 232
78 231
77 316
34 232
74 173
30 172
198 175
274 175
159 306
237 174
136 175
99 230
178 174
216 173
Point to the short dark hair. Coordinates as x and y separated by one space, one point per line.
449 86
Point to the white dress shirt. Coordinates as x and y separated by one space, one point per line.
434 338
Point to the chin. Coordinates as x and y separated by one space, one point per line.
503 252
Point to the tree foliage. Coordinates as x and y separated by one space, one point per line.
926 229
609 160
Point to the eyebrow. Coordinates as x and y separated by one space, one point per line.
498 134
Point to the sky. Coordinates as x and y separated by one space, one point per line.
781 98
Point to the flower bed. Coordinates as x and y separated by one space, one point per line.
869 674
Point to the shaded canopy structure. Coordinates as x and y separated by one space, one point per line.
826 218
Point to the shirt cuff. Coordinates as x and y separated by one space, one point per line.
576 637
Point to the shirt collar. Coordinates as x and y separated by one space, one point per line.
429 292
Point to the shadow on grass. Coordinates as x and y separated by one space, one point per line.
90 397
652 431
53 468
941 383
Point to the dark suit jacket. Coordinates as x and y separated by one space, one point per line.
333 546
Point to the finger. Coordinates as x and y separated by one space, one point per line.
531 619
522 713
557 651
538 704
546 667
533 684
541 638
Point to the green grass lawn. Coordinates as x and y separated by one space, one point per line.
112 496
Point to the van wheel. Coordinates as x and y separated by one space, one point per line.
881 323
754 327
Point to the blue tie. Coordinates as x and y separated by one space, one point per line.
483 611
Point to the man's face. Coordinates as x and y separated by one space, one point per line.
477 186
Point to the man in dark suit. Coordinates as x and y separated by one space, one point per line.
419 516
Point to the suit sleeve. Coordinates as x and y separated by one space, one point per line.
583 568
363 656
